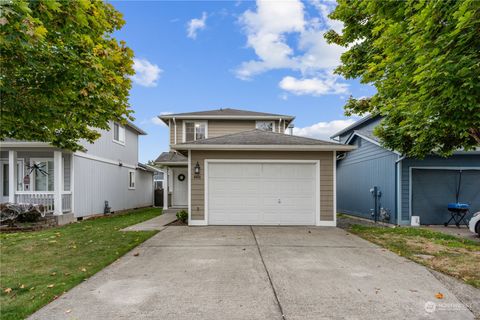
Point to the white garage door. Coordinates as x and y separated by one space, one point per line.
261 193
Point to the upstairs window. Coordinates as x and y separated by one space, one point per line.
265 125
118 133
195 130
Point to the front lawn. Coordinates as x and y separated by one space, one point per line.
37 267
451 255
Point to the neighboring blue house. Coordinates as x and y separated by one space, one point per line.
409 187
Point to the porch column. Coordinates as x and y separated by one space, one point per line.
57 182
12 175
165 190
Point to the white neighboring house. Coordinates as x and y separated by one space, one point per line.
78 184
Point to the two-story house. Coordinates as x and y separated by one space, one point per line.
409 187
238 167
77 184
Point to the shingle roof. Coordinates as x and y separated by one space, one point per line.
259 137
171 157
354 125
226 112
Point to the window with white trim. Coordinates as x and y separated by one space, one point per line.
118 133
131 179
265 125
195 130
43 175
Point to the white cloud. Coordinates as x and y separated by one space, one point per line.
313 86
323 130
195 25
157 121
267 29
146 73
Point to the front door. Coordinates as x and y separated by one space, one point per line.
180 187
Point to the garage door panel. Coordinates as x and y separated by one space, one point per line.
288 170
226 170
232 186
287 187
433 189
262 193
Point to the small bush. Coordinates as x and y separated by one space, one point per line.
182 216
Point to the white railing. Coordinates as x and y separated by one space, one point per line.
45 198
66 201
36 197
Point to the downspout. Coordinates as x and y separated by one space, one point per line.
175 131
398 188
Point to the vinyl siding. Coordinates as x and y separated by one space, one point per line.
431 161
218 128
367 126
105 147
97 182
361 170
326 175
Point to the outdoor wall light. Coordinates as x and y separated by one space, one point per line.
197 168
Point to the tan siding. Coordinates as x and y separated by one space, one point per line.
326 175
218 128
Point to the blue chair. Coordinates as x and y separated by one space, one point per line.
458 213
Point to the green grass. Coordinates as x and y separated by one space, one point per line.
40 266
451 255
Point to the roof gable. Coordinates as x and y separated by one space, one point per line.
355 126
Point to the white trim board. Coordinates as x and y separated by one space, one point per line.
101 159
189 187
318 222
334 188
410 171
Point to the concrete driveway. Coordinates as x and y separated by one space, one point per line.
258 273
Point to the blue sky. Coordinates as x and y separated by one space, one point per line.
261 56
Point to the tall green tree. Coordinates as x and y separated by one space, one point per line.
423 57
62 73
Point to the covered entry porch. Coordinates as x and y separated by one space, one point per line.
41 176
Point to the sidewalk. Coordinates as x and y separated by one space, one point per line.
157 223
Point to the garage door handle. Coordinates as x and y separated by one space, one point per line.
279 201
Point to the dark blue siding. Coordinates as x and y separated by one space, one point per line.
367 126
472 161
369 165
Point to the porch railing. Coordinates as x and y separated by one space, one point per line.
66 201
45 198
